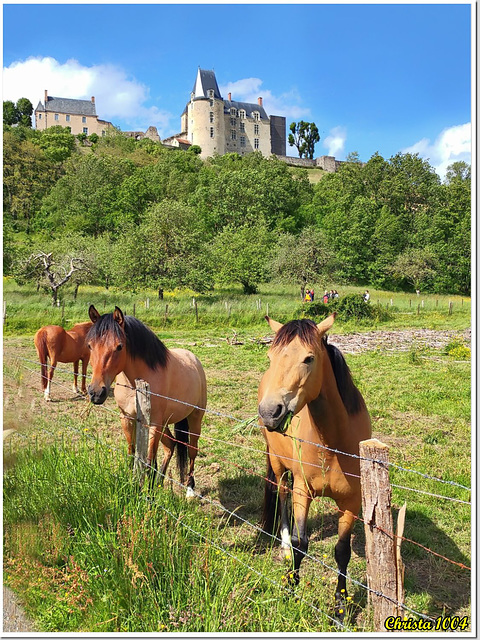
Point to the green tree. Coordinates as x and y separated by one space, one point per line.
10 113
416 266
242 254
25 111
305 258
304 136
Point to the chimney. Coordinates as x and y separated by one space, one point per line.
93 99
229 97
46 96
260 102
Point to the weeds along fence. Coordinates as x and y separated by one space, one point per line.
380 534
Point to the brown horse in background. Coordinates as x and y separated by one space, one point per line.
124 348
57 345
310 407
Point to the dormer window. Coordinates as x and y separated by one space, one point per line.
210 93
256 115
233 112
242 113
192 96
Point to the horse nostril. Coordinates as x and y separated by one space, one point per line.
278 411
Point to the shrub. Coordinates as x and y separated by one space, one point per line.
458 351
349 307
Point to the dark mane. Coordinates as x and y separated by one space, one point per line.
142 343
306 330
351 396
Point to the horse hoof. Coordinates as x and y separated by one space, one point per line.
190 494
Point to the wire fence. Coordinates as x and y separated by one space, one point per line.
256 528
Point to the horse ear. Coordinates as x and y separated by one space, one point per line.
274 325
93 313
326 324
119 317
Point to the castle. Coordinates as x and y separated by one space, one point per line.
216 125
220 126
79 115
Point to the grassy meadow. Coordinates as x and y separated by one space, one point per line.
87 551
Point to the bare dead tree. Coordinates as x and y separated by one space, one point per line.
54 274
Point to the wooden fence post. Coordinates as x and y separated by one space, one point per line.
143 403
196 310
382 548
450 308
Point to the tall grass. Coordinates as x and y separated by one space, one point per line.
97 554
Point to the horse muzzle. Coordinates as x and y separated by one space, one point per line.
97 396
275 417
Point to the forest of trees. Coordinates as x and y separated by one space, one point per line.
135 214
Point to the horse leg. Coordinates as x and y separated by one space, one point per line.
53 364
285 519
302 499
84 376
343 552
164 435
75 376
194 428
128 426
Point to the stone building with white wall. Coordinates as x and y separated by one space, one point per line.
220 126
79 115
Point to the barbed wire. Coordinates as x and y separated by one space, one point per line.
302 440
316 444
253 472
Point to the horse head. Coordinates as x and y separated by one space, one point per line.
107 342
295 375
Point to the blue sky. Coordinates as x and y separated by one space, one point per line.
373 77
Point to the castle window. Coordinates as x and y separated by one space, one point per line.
56 116
256 143
242 127
103 133
84 119
39 116
210 93
233 111
233 122
242 141
211 116
256 130
85 130
256 115
234 134
67 118
211 132
242 113
192 96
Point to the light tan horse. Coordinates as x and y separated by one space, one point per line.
124 348
308 402
57 345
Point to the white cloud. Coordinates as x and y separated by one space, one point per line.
117 96
335 141
452 145
250 89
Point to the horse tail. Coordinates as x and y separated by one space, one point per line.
271 506
40 341
181 441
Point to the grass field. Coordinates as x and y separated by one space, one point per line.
92 554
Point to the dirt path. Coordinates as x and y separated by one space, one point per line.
14 618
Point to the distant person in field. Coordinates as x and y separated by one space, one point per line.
325 297
335 293
366 296
312 294
308 296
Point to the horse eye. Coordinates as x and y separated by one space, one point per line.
120 347
89 346
308 360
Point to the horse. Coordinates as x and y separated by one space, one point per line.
57 345
311 411
123 348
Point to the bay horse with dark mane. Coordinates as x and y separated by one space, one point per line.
123 348
311 411
57 345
